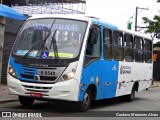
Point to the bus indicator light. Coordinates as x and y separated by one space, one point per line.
107 83
82 89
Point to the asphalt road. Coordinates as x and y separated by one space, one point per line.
148 100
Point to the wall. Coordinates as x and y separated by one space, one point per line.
11 30
2 28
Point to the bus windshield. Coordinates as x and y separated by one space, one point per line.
48 38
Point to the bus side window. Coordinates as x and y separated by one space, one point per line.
118 45
93 48
107 44
147 51
139 54
128 50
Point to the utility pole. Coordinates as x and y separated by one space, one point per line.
1 1
136 15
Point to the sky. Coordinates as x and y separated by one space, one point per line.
120 11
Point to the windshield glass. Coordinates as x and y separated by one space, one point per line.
48 38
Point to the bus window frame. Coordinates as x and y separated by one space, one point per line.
127 47
110 44
141 49
148 51
90 57
114 45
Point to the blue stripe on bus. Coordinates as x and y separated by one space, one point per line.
103 74
29 72
96 21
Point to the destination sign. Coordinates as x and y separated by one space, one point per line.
58 26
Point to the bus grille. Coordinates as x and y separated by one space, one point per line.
27 76
28 70
29 73
36 88
46 78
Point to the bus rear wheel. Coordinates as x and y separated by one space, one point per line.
26 101
86 103
131 96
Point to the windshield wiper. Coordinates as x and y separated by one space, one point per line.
36 44
54 44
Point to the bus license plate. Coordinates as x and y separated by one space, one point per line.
36 95
46 72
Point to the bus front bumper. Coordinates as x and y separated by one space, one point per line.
66 90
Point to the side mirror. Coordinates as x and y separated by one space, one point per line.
93 36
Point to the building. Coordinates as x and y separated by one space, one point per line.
12 28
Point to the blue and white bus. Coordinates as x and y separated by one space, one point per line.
78 59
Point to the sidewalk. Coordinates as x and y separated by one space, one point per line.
156 84
6 97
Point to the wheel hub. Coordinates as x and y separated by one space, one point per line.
86 99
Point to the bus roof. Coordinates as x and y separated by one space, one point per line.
77 17
70 16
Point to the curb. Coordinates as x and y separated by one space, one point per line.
155 86
8 100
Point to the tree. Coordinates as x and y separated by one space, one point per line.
153 25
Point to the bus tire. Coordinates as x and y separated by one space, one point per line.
131 96
86 103
26 101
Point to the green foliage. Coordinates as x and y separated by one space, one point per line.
153 25
156 45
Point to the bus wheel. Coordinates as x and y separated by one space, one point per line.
26 101
85 104
131 96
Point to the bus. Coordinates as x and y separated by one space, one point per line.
78 59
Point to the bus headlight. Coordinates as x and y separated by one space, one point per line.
70 75
11 71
